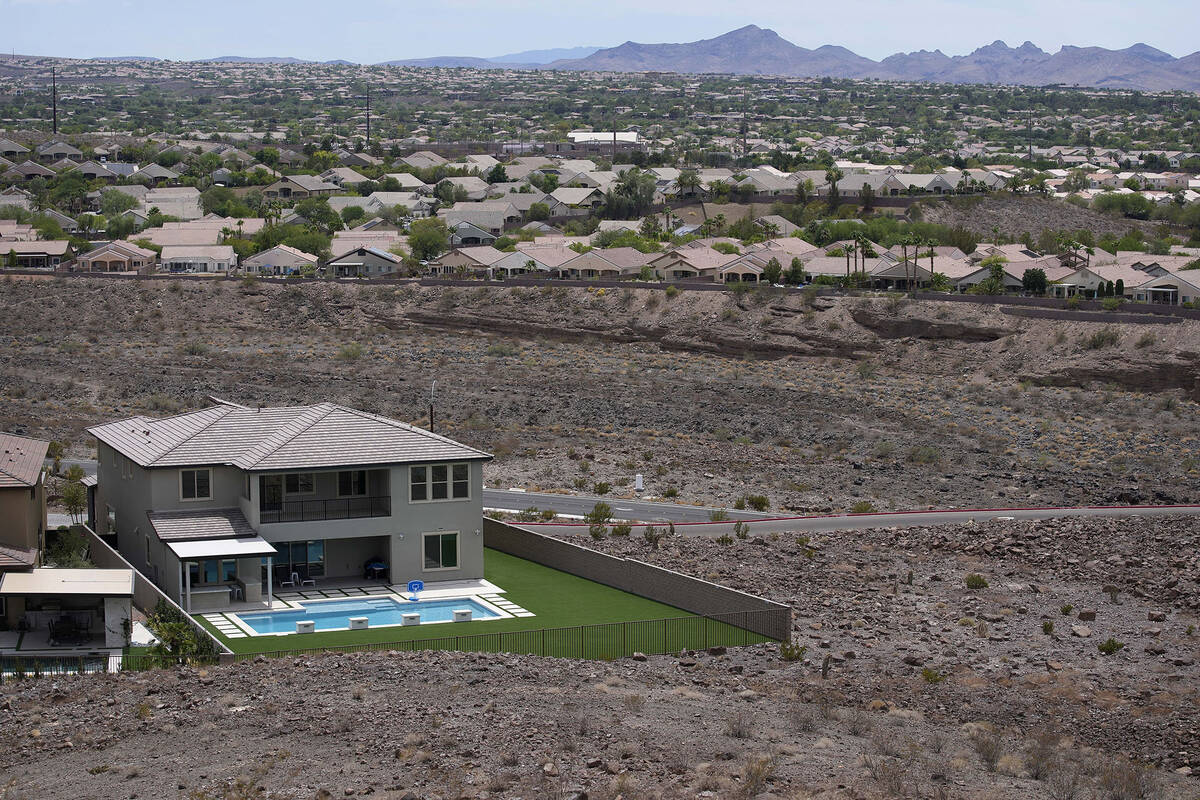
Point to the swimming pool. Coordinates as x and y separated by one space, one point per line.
334 615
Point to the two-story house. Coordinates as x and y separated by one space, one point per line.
223 503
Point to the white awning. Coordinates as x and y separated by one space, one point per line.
46 581
195 549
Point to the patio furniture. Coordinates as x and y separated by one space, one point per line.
308 582
375 569
290 582
235 593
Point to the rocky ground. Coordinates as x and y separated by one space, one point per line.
817 405
932 690
1014 216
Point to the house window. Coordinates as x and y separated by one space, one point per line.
299 483
110 518
440 482
212 571
441 551
352 483
195 484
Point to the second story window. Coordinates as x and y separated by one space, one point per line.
352 483
195 484
299 483
440 482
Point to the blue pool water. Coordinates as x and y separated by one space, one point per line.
331 615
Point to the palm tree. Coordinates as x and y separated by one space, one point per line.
688 180
832 176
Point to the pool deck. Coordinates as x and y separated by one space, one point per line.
226 622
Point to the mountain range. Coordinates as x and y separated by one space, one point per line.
758 51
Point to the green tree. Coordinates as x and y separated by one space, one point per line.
317 212
11 260
538 212
688 182
114 202
1034 281
350 214
994 283
497 174
772 271
428 238
74 499
833 176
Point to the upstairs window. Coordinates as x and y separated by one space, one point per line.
195 484
439 482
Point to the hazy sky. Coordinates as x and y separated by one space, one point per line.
369 31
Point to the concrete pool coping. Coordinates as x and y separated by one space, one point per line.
484 592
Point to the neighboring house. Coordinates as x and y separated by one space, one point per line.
299 187
279 260
12 150
22 502
343 177
470 259
365 262
27 171
579 198
466 234
232 496
613 263
37 254
1171 289
49 152
690 263
198 258
778 225
156 174
409 182
117 257
423 159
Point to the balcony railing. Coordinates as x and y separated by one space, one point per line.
318 510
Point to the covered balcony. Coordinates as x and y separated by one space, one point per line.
322 496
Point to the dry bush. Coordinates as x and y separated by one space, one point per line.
740 724
1122 779
1042 755
756 773
859 723
888 773
989 746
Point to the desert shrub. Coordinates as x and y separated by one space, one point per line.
194 349
602 487
741 529
989 746
867 370
1041 755
653 536
1145 340
351 351
671 492
718 515
622 530
725 539
1067 609
1105 337
671 292
758 502
1122 779
859 723
1110 303
1048 627
862 507
740 724
1110 646
792 651
924 454
930 675
503 349
975 581
756 774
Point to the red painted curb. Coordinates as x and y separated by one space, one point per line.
875 514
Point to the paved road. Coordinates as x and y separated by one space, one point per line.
578 505
851 522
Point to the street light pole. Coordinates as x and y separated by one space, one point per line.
432 391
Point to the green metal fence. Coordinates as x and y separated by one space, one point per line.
606 641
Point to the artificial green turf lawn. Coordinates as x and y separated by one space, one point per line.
557 599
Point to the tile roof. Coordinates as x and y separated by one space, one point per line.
304 437
17 557
210 523
21 460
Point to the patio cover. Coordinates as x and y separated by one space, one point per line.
59 582
199 549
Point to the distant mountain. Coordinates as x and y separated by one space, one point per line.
343 62
544 56
125 58
452 61
257 60
753 50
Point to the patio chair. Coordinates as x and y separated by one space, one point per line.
308 582
290 582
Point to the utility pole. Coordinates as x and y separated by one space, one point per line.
432 390
368 115
54 95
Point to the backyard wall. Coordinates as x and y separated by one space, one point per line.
637 577
145 594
